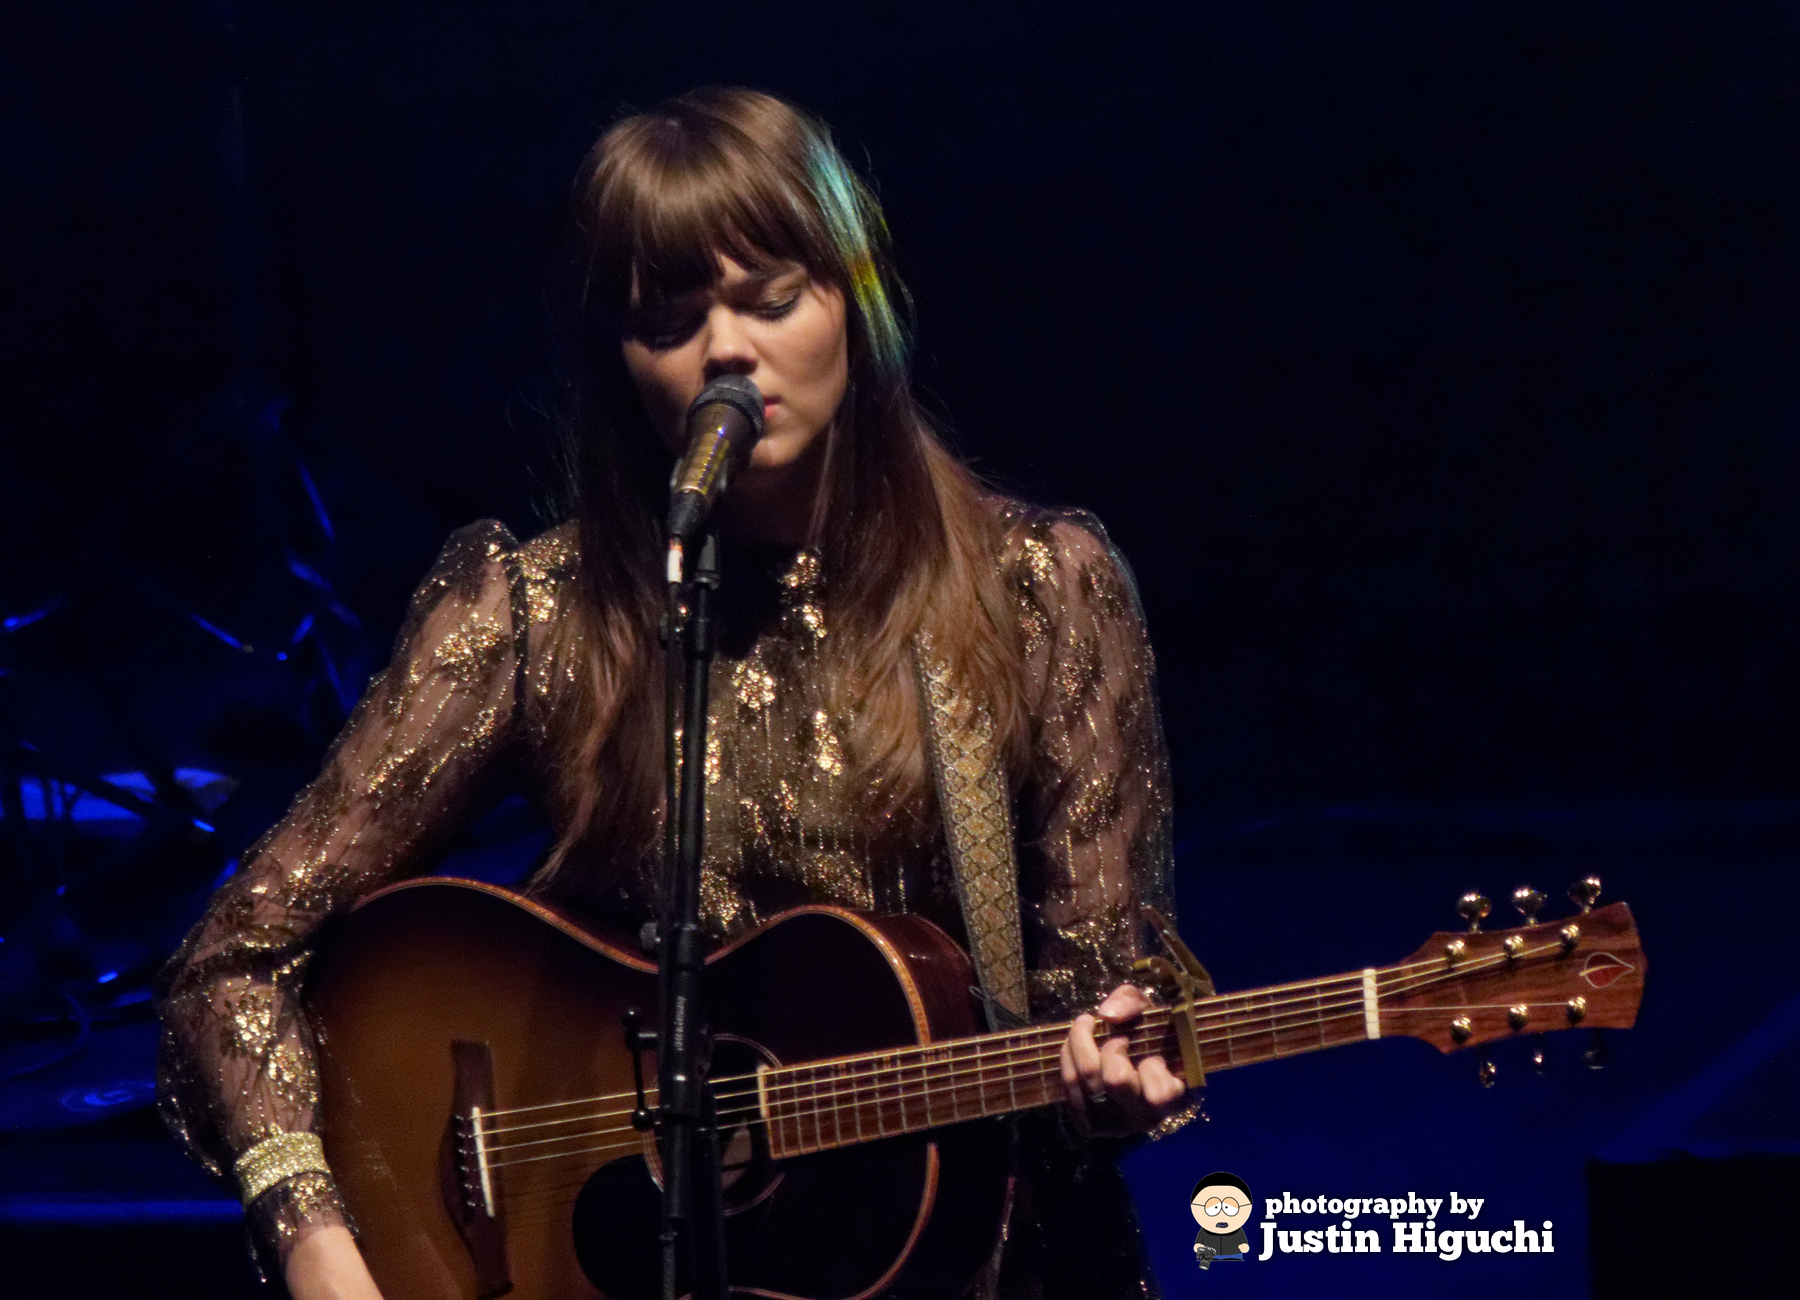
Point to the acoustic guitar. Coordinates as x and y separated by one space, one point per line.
479 1089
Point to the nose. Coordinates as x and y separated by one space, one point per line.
729 348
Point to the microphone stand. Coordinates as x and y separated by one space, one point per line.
693 1225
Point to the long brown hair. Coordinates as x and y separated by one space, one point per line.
908 539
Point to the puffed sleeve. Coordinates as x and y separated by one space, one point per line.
1095 840
237 1066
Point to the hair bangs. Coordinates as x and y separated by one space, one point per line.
691 192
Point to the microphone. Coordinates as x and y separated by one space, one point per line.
723 424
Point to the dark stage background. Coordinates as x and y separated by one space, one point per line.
1434 365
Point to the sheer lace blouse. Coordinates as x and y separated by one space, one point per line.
472 684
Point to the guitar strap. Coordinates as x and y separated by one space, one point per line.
976 806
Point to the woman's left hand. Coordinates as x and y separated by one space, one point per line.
1109 1095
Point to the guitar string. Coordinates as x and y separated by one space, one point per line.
952 1083
1059 1031
815 1111
540 1195
515 1196
1154 1023
1221 1005
1151 1029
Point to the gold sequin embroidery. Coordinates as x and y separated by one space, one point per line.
783 825
828 750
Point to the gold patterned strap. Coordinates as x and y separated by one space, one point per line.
276 1159
972 795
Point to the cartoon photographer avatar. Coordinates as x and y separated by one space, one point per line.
1221 1205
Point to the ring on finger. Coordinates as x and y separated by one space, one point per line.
1104 1112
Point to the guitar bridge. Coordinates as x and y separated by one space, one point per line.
470 1182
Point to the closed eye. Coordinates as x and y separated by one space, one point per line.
660 329
777 310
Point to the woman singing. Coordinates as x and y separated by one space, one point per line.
722 233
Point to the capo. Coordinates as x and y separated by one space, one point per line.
1184 980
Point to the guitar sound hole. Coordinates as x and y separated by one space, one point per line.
617 1218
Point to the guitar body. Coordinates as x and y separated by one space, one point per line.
434 992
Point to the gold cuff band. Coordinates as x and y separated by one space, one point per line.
278 1158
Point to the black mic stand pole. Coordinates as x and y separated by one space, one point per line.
693 1198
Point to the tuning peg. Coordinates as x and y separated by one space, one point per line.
1584 892
1472 907
1485 1073
1537 1057
1529 902
1595 1056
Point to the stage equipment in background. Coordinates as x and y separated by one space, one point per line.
90 862
102 872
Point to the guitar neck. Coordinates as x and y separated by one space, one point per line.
846 1100
1454 991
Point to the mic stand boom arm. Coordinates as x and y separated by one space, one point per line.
693 1198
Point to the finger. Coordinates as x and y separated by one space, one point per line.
1162 1090
1125 1003
1086 1053
1071 1080
1079 1083
1118 1075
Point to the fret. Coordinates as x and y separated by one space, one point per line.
774 1099
790 1100
983 1064
888 1076
772 1095
990 1056
818 1132
1293 1033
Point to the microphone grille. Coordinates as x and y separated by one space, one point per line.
737 392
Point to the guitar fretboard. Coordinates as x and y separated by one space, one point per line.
846 1100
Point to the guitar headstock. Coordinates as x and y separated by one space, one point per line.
1462 990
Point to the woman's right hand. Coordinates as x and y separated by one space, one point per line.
326 1265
